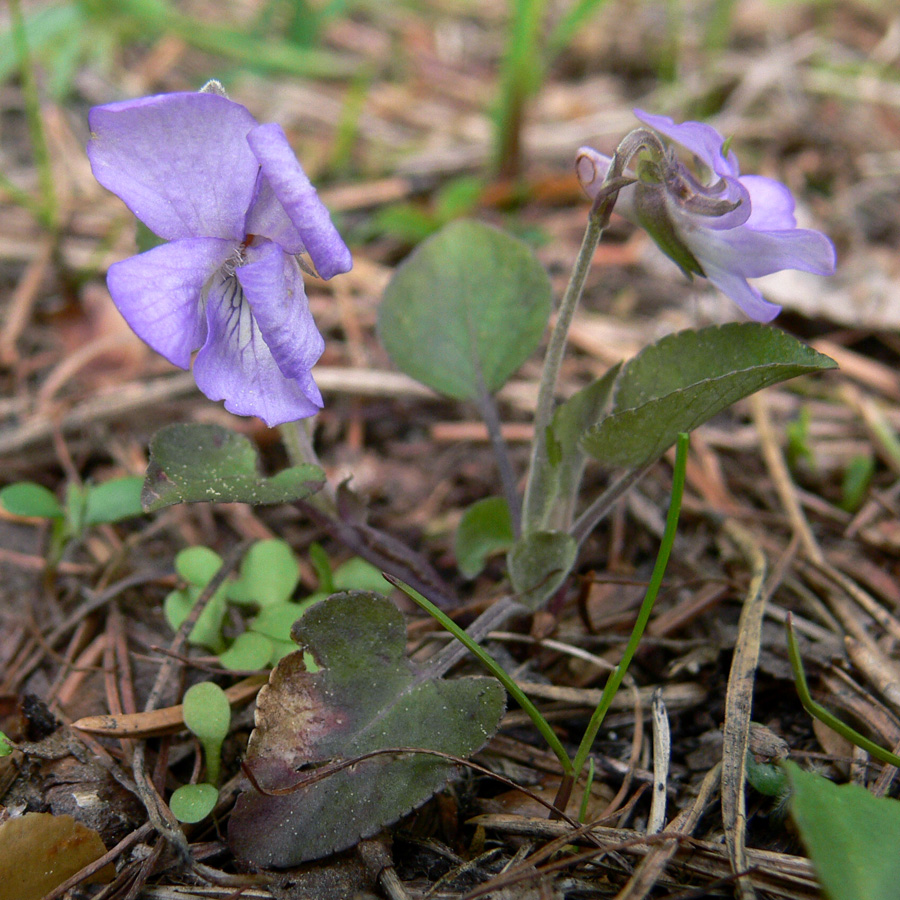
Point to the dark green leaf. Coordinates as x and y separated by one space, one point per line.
365 696
852 837
192 463
539 563
685 379
25 498
114 500
465 310
485 529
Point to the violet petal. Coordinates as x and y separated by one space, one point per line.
772 205
273 286
299 198
752 254
159 294
268 219
179 161
236 366
744 294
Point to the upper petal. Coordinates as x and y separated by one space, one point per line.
300 201
236 365
273 285
268 219
701 139
159 293
179 161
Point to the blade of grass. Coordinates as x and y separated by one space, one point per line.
542 725
817 711
662 559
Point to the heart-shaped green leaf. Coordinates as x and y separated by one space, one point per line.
852 837
192 463
539 563
465 310
365 696
685 379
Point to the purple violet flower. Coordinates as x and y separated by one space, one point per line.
241 220
716 223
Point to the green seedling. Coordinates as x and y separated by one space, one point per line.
207 714
6 746
798 451
269 575
857 478
84 506
192 803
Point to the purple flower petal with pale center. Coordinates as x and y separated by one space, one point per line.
238 211
236 365
273 286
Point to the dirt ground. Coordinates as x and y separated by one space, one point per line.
394 139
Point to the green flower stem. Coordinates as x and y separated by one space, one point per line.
542 725
297 440
48 212
662 559
536 487
819 712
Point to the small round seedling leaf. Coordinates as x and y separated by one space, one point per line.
192 463
6 746
687 378
197 565
465 310
249 652
358 575
207 712
269 574
207 630
539 564
25 498
192 803
114 500
276 620
485 529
